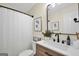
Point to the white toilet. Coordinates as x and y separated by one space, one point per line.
29 52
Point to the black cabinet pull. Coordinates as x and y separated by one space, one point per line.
48 54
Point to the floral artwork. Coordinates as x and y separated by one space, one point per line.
37 24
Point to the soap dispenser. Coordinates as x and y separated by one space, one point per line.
68 40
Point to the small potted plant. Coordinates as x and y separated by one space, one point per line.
47 34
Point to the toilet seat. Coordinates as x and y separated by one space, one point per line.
27 53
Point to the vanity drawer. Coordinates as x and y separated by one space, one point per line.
43 51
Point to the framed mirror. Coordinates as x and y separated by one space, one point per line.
64 13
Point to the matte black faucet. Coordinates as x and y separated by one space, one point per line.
57 37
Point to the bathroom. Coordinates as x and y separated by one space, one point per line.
39 29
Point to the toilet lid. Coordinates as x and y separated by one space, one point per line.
26 53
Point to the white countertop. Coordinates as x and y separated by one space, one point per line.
70 51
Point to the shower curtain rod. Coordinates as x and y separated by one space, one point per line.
16 10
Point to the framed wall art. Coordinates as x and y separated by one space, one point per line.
38 24
55 26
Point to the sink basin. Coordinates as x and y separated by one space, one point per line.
59 47
56 45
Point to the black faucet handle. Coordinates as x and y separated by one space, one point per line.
63 41
54 40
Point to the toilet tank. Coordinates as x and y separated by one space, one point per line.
35 39
34 46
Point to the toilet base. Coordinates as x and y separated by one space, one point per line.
27 53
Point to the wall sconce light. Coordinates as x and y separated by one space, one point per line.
76 20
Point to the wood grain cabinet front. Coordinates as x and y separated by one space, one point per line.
43 51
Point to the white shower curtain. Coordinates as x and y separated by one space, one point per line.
15 31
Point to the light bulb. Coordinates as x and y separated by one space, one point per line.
53 5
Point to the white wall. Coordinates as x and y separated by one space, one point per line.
69 26
38 10
15 31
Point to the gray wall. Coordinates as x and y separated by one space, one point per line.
15 32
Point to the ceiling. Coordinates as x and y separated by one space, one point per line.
24 7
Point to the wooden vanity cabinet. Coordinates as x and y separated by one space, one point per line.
43 51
